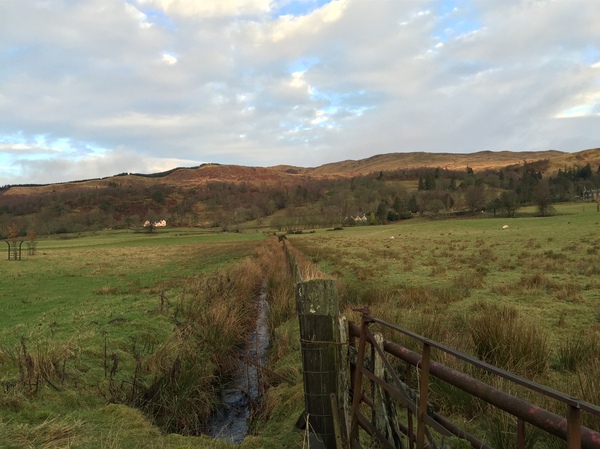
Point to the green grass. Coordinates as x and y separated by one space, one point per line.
455 280
114 274
85 297
544 266
86 305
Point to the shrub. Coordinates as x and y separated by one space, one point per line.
568 292
537 281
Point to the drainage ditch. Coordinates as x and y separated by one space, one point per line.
230 423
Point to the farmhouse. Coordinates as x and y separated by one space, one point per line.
590 195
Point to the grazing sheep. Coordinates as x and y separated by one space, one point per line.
505 227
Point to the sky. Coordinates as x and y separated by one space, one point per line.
93 88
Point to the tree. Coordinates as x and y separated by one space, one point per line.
13 231
510 203
543 199
435 206
429 181
382 212
399 205
151 219
475 198
495 205
453 184
413 205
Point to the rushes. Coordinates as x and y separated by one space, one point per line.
213 317
502 338
576 352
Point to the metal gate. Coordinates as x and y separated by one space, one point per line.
378 388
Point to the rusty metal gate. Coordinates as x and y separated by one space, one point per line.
375 381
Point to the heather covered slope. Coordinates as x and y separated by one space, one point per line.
288 175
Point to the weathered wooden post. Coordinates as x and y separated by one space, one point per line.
318 311
385 417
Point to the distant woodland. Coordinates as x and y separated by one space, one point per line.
311 202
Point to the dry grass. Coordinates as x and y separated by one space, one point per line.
502 338
52 433
589 389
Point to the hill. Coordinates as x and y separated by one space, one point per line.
482 160
289 175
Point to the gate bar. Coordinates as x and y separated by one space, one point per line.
533 414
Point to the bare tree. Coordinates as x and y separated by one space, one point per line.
475 198
542 198
510 203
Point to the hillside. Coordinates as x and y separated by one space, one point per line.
287 175
482 160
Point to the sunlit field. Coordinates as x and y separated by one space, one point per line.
547 267
522 294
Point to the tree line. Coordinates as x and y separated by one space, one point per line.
308 203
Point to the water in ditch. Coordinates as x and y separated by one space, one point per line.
230 423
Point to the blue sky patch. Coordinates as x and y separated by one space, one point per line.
298 7
456 18
159 18
302 64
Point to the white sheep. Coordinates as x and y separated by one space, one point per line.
505 227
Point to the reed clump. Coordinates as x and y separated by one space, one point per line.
577 351
502 338
46 363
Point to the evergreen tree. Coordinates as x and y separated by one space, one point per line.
430 181
413 205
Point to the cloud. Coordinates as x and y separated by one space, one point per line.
305 82
217 8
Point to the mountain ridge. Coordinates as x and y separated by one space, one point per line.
285 174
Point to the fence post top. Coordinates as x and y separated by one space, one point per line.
317 297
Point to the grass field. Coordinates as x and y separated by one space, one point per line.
85 302
547 267
112 274
525 298
85 313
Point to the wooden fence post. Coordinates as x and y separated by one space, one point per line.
318 310
344 381
385 417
